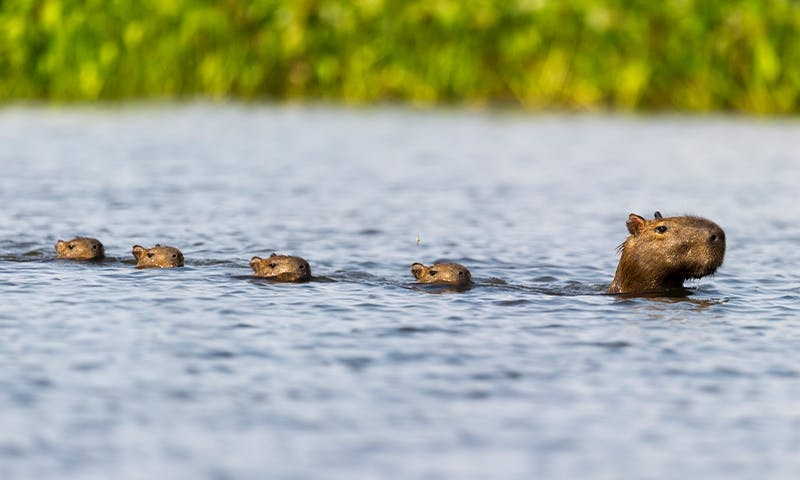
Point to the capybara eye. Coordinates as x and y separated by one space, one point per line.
303 267
273 265
71 246
661 229
174 255
150 254
432 272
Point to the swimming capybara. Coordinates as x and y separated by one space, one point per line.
160 256
80 248
662 253
283 268
442 273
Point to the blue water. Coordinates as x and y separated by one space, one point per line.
207 373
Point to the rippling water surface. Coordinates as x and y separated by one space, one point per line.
206 372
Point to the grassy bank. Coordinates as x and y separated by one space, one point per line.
694 55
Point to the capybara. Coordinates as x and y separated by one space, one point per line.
283 268
660 254
80 248
160 256
442 273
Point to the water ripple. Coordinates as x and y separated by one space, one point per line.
209 372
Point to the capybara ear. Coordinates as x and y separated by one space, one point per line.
418 270
635 223
255 262
138 251
60 246
274 254
657 215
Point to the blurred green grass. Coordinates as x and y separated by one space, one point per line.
688 55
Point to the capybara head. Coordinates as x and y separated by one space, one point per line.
160 256
662 253
442 273
283 268
80 248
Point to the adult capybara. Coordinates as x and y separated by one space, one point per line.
160 256
660 254
442 273
283 268
80 248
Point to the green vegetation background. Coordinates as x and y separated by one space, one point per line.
694 55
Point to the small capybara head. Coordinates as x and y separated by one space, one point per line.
442 273
160 256
283 268
660 254
80 248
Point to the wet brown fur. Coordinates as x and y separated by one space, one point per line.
80 248
283 268
160 256
660 254
442 273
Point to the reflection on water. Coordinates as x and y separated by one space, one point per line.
208 372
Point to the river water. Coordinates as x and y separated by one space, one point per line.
206 373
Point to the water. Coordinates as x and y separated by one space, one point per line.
205 373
